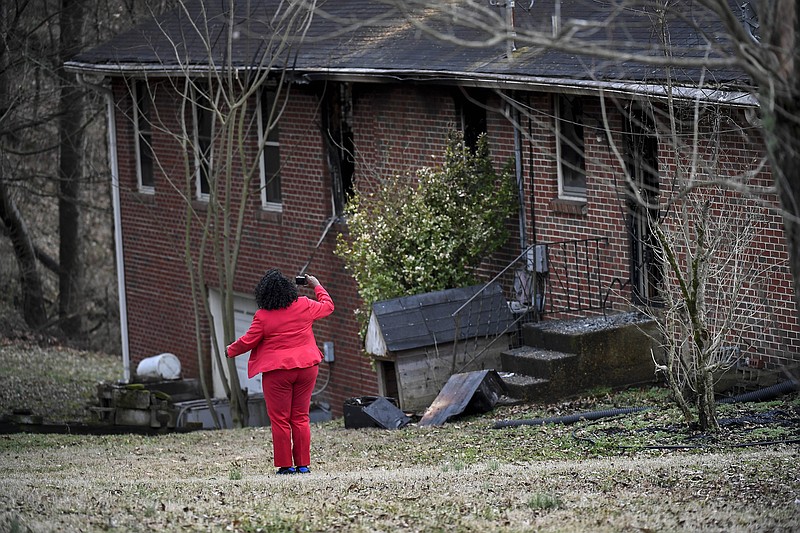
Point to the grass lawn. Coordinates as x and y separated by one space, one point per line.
641 472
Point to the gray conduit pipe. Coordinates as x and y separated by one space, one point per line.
759 395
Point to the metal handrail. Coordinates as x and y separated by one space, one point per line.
488 283
586 262
524 254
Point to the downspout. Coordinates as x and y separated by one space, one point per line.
523 241
113 164
530 173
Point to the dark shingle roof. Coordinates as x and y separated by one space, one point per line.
426 319
373 38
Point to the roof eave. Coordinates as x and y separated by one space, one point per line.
541 83
137 69
718 95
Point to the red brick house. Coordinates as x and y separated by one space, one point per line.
373 95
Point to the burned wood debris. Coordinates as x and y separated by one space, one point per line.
465 394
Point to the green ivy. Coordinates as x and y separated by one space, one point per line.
428 232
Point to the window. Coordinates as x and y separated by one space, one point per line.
337 116
569 148
203 134
641 166
270 156
143 135
471 109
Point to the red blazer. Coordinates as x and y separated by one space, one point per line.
283 338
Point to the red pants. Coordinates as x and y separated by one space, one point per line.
287 394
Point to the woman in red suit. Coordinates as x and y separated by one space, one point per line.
283 349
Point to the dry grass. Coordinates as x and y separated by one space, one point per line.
461 477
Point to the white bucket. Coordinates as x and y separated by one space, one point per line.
162 366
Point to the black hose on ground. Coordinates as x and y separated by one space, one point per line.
569 419
759 395
767 393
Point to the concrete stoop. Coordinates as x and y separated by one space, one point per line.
566 357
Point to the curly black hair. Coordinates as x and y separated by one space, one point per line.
274 291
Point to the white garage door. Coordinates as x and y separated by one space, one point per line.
244 307
243 311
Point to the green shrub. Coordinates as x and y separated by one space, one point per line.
431 231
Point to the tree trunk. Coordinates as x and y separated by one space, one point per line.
779 98
706 403
788 182
783 142
33 310
70 173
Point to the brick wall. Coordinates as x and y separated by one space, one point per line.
732 152
411 124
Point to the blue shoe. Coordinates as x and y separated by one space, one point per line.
303 470
286 470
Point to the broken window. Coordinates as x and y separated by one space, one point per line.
641 167
338 137
471 110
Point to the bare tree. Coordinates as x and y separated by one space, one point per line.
773 61
17 32
711 280
30 281
710 274
70 170
47 129
226 114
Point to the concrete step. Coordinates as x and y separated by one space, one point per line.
527 388
539 363
561 358
613 332
613 350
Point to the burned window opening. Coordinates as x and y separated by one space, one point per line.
471 113
641 161
337 119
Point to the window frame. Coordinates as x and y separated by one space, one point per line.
142 139
268 147
565 192
202 163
